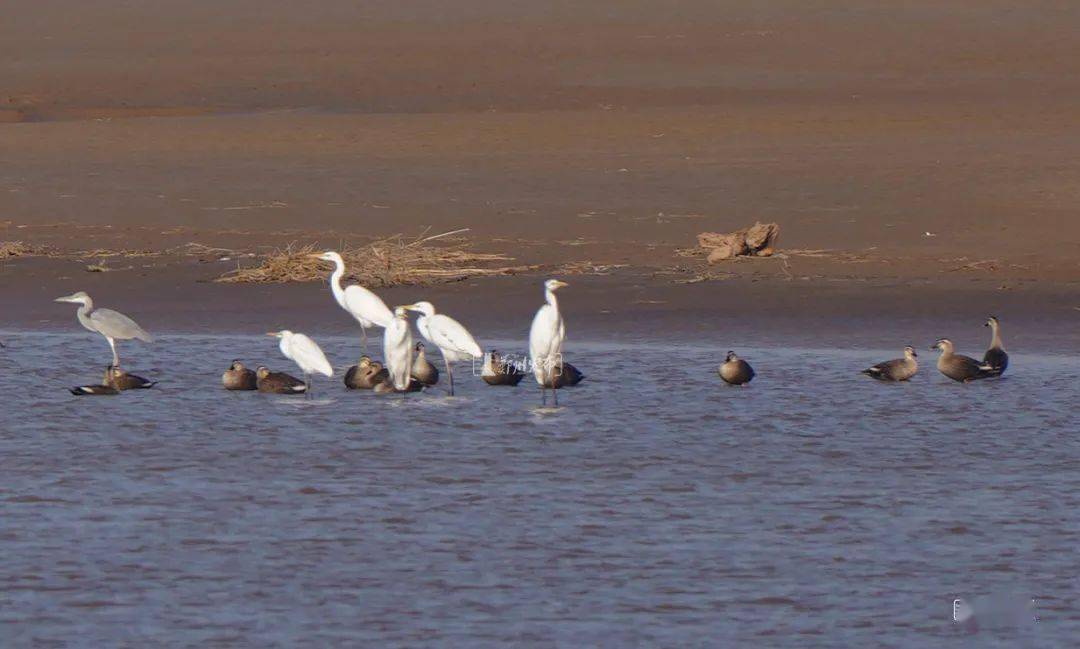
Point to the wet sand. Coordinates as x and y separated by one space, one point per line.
610 134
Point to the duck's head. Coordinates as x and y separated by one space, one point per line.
365 362
992 321
944 344
909 352
419 347
262 371
731 356
236 365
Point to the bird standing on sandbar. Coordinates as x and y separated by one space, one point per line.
305 353
398 350
546 338
113 325
454 341
367 308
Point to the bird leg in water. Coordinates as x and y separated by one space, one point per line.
555 396
450 373
307 385
115 356
363 333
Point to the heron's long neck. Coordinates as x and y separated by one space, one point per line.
996 340
550 295
84 314
335 283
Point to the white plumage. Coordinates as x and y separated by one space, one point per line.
305 353
546 337
398 349
454 341
367 308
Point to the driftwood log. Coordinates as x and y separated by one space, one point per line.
759 240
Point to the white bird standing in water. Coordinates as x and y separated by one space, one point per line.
367 308
454 341
398 349
546 340
305 353
111 324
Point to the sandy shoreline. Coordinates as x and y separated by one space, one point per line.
922 160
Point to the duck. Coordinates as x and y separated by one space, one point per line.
278 382
386 386
497 371
996 357
899 369
958 367
365 375
94 390
422 369
735 371
238 377
120 380
565 375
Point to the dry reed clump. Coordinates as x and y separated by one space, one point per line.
20 249
393 261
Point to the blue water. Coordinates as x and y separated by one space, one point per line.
655 507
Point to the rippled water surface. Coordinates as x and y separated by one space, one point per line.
815 508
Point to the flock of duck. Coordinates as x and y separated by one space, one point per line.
406 367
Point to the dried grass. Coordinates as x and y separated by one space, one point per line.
19 249
393 261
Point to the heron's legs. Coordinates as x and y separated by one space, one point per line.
555 396
363 333
450 373
543 395
115 356
307 385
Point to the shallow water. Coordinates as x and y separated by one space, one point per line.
814 508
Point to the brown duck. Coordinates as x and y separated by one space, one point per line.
238 377
278 382
365 375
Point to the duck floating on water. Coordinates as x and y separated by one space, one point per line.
899 369
735 371
996 357
278 382
118 379
365 375
958 367
565 375
497 371
238 377
422 369
94 390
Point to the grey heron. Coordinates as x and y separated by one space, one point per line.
111 324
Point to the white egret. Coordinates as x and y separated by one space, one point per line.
111 324
305 353
367 308
398 349
546 340
454 341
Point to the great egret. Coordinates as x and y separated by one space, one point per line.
546 340
422 369
277 382
365 375
305 353
736 371
238 377
454 341
900 369
398 349
111 324
959 367
367 308
996 357
121 380
497 371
